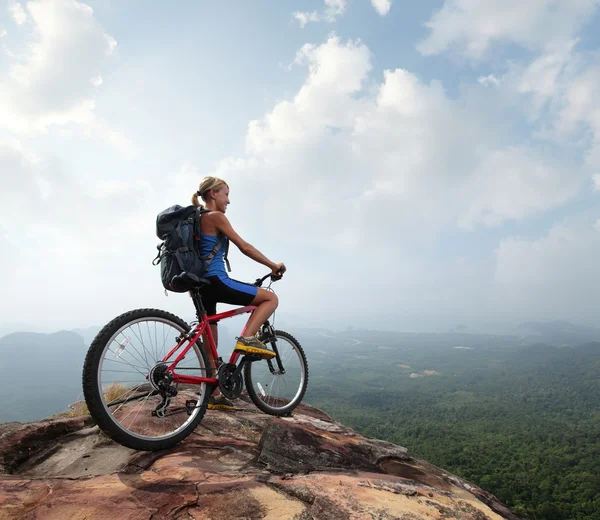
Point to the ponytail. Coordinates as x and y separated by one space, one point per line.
196 201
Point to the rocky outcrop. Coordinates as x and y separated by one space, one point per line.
238 464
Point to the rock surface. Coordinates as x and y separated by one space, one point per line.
238 464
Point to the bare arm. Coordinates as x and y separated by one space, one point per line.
222 224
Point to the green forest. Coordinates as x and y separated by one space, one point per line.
522 422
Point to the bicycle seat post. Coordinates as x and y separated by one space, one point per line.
197 299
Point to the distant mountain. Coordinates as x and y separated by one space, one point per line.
9 328
560 333
88 334
41 373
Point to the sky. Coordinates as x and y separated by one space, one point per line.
414 164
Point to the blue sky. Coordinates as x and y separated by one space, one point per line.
424 161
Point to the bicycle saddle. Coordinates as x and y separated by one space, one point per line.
186 281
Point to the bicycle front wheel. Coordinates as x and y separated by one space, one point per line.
276 386
124 380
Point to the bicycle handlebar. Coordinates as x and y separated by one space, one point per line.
274 277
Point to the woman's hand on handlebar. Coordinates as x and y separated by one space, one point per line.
275 274
278 270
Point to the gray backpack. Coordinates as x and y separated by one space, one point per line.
179 229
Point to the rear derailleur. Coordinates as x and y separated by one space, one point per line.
162 381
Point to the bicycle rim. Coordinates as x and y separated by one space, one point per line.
124 371
274 392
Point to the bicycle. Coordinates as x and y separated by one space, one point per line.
163 405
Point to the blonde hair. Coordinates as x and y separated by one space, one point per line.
206 184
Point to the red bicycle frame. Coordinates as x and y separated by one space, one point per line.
201 328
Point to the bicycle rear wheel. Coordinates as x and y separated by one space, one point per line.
123 374
272 390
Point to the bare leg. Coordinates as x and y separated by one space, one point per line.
266 302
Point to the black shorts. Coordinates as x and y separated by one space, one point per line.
225 290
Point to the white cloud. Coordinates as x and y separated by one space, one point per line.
513 183
488 80
546 77
64 229
17 12
596 181
51 83
305 17
471 26
3 33
382 6
387 160
576 109
554 276
333 9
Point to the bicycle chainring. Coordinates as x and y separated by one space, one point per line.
231 386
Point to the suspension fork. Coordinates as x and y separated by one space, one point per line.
268 335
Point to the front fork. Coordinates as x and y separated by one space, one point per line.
267 335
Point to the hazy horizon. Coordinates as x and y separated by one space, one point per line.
413 165
293 323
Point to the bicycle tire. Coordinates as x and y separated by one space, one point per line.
93 393
289 407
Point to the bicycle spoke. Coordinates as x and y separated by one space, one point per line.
150 339
139 359
125 401
140 408
121 372
135 367
142 345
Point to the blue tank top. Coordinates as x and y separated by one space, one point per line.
217 266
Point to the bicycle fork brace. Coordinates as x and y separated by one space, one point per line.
270 336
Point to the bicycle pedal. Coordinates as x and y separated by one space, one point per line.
190 405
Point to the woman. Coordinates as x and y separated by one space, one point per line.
215 194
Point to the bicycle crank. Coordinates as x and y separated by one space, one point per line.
231 380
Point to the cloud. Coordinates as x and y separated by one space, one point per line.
17 12
545 77
556 275
306 17
471 27
596 181
382 6
3 33
333 9
562 97
51 83
579 115
386 158
66 232
488 80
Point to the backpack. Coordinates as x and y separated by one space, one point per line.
179 229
